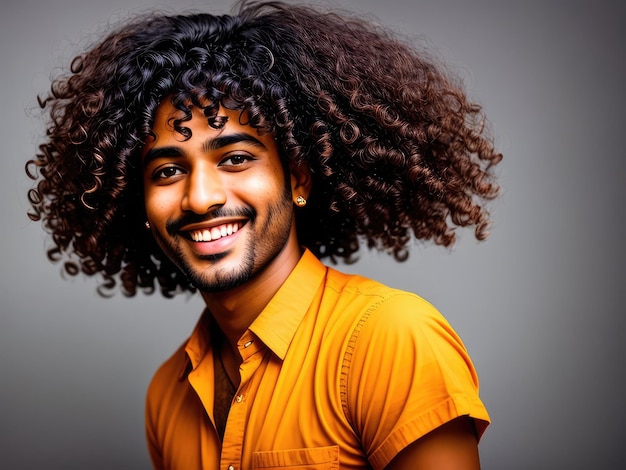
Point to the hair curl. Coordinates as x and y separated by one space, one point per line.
394 146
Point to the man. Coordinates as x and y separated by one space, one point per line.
227 155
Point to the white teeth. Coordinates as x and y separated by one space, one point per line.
214 233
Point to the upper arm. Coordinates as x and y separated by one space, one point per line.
452 446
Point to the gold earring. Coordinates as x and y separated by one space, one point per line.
148 225
300 201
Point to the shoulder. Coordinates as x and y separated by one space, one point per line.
402 314
405 372
398 326
368 293
381 309
386 328
401 330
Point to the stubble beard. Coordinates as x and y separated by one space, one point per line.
257 256
221 280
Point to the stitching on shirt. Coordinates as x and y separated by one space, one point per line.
347 358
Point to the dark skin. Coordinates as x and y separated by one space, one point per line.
452 446
196 176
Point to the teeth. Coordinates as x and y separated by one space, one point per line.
214 233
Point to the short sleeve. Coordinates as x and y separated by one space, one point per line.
408 373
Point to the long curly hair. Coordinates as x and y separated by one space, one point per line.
395 148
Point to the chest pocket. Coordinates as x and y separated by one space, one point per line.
318 458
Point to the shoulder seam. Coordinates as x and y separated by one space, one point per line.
346 362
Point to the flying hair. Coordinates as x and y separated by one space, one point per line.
395 148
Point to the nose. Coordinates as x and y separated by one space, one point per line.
204 191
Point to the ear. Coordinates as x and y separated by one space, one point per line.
300 181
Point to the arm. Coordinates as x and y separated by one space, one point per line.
411 386
452 446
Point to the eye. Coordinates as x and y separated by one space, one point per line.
167 172
237 159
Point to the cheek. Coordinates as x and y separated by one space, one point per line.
268 184
261 191
159 203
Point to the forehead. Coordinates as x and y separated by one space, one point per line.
172 126
166 115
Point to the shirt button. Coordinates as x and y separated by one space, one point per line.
239 400
230 467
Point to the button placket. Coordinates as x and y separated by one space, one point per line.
235 427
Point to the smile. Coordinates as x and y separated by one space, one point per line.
214 233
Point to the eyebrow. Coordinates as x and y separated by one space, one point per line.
210 145
230 139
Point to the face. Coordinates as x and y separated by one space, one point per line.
218 203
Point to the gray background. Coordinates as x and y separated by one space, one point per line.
537 304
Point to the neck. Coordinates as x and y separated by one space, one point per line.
236 309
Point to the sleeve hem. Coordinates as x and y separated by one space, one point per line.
410 432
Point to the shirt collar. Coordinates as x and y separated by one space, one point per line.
197 344
276 325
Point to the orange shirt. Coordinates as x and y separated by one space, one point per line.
338 370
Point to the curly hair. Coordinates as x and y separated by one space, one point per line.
395 148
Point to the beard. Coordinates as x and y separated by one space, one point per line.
263 244
222 280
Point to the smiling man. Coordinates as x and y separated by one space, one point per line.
228 155
218 202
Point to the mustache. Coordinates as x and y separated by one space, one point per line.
173 226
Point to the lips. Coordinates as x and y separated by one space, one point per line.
214 233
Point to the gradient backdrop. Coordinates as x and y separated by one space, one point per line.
538 304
